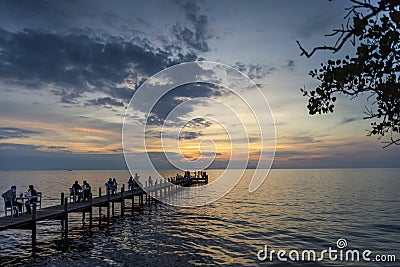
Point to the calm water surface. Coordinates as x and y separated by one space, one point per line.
293 209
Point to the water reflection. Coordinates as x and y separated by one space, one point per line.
294 209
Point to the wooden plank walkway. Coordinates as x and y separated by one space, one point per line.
60 212
55 212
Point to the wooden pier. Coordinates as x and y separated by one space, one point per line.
60 212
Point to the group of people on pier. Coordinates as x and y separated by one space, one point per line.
111 186
197 174
133 183
81 192
10 199
187 175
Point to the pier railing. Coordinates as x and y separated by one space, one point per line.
61 211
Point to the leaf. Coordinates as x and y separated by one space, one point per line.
395 16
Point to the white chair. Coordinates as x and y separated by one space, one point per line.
39 201
72 195
9 206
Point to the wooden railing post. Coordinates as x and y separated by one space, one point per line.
91 211
108 206
62 203
34 216
99 206
66 218
122 199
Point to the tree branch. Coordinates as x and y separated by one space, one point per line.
392 142
345 34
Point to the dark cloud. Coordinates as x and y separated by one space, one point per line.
344 121
73 64
259 71
198 122
254 70
189 135
104 101
12 132
179 95
290 65
196 36
348 120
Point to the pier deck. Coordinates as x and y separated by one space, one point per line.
58 211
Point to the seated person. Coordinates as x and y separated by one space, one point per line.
10 198
33 193
86 189
77 190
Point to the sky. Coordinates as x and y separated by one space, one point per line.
68 71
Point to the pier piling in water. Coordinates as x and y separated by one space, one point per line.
34 215
60 212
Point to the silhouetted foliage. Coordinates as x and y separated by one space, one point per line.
375 69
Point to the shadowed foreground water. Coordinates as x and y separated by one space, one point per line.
293 209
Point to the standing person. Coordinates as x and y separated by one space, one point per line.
10 198
33 198
115 185
77 191
109 186
136 179
86 190
130 183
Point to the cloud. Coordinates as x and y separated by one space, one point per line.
13 132
179 95
189 135
254 70
348 120
104 101
196 36
56 147
344 121
199 122
72 64
259 71
290 65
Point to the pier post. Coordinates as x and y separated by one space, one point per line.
112 209
108 206
99 207
91 211
159 189
66 218
133 200
34 216
156 189
62 204
122 199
